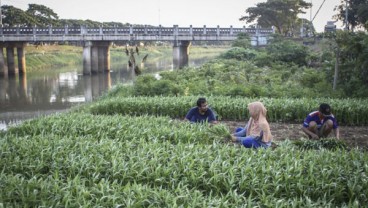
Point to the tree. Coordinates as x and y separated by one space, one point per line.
283 14
357 13
43 15
351 50
16 17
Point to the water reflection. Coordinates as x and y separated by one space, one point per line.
22 99
32 95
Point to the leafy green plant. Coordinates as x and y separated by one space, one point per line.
220 132
347 111
332 144
79 159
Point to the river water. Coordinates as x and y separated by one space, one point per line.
56 90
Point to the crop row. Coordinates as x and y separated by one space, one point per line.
115 127
347 111
86 160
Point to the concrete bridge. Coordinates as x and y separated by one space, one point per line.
97 41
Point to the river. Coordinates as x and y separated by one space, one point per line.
56 90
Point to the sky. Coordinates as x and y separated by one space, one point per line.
167 13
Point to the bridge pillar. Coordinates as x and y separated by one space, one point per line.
94 55
23 93
3 66
10 58
87 58
4 89
101 59
103 50
107 64
95 89
88 88
21 59
107 81
180 54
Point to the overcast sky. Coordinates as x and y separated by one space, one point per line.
168 12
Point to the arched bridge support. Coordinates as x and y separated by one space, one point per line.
181 54
96 57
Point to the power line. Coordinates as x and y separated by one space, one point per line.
318 10
1 15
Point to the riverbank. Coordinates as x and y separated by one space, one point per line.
44 57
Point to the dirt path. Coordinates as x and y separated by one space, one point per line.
355 136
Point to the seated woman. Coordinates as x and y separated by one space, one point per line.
257 131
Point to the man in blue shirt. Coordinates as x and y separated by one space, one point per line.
201 113
319 124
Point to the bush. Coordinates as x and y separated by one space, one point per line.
243 41
143 85
288 51
241 54
147 85
311 77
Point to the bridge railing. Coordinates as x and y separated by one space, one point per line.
142 30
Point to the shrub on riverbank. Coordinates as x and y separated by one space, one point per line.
241 78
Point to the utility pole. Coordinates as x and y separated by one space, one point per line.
1 15
346 16
336 75
310 18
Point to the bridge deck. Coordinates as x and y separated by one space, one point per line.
27 34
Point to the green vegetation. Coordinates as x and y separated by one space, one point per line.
44 57
42 16
357 14
347 111
128 149
283 15
79 159
40 58
231 77
284 68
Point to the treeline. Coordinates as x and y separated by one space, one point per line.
41 16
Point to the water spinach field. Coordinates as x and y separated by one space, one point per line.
132 152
